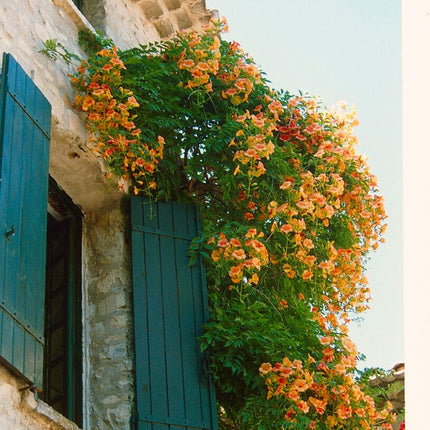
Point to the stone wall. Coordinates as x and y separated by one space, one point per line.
107 315
110 346
129 22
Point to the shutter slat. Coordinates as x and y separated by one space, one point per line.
24 141
174 366
9 191
155 323
26 94
169 308
7 331
187 321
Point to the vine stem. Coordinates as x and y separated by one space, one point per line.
270 303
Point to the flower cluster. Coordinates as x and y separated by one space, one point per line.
244 259
201 63
203 59
325 392
325 187
109 109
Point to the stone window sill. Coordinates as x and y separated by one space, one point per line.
42 412
75 14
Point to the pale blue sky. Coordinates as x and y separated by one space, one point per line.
344 50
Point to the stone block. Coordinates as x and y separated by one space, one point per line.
151 9
197 7
105 306
164 27
120 322
173 4
183 19
118 352
111 400
119 415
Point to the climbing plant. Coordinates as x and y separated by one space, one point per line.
290 213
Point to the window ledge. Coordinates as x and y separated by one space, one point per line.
75 14
42 411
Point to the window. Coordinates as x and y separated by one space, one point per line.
62 377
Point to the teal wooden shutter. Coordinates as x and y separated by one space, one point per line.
25 117
174 391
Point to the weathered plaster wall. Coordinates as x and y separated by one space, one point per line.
107 312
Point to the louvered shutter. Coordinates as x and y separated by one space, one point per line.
174 391
25 117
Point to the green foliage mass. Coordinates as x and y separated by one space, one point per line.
211 129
